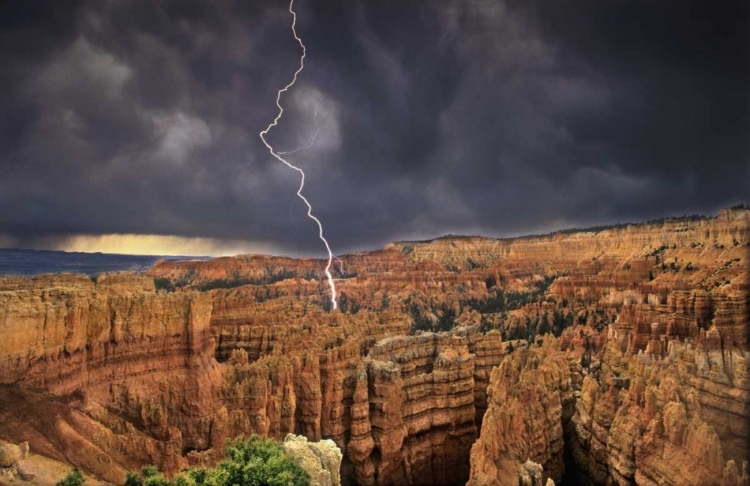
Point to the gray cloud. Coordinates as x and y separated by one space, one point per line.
443 117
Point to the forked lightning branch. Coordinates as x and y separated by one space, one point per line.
278 155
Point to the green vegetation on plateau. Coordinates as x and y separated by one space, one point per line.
254 461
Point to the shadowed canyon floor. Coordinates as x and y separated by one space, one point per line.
623 351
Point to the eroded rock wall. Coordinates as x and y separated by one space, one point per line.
125 373
530 400
641 420
403 414
108 368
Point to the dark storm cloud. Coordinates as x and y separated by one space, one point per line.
435 117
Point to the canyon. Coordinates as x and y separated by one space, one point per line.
612 356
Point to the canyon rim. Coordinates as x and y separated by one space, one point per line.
617 355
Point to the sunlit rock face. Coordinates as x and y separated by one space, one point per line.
321 460
109 369
664 397
648 371
530 399
664 420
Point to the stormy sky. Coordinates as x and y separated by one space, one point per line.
485 117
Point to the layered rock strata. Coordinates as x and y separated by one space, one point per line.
650 421
530 400
132 371
125 372
421 411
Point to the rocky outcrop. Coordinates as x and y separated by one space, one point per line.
21 467
411 418
63 334
530 400
321 460
662 421
133 369
10 454
421 395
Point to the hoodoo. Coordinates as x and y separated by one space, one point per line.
619 355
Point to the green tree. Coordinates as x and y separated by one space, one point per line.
446 320
385 302
74 478
260 461
254 461
133 479
152 477
485 324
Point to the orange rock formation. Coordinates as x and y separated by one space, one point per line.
649 371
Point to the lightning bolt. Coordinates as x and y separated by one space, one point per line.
341 265
294 167
314 136
304 147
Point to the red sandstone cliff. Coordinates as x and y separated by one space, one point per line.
125 374
668 400
530 399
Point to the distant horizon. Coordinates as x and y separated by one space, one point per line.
26 262
563 229
101 253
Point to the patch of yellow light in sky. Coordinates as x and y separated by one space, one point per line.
133 244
